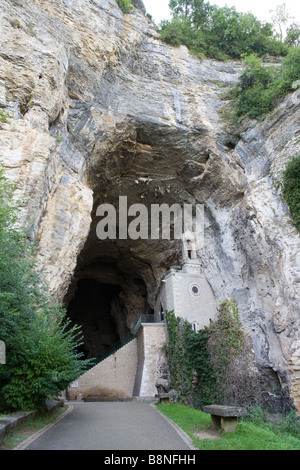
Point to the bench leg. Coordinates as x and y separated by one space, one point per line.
165 400
229 424
226 424
215 422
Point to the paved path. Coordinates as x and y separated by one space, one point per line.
112 426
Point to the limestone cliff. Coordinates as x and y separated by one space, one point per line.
100 108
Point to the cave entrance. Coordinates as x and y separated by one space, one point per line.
106 302
116 279
91 308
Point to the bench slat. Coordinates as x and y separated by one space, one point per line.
225 411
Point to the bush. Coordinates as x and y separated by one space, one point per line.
260 88
41 358
219 354
226 338
125 5
178 354
291 68
219 33
291 189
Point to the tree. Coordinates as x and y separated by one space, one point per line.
41 357
281 18
220 33
291 68
260 88
255 95
292 38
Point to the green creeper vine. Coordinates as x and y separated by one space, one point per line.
226 338
179 355
208 352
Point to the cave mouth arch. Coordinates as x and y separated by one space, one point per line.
106 302
127 272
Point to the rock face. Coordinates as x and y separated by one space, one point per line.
100 108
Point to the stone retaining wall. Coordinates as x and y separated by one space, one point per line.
15 420
113 377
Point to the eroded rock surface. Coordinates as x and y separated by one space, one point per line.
101 108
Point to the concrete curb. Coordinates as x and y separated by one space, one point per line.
15 420
32 438
187 439
11 422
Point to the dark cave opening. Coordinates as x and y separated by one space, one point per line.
91 309
106 303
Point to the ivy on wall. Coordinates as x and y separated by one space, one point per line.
208 353
178 351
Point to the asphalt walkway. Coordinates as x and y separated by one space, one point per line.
111 426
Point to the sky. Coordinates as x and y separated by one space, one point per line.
260 8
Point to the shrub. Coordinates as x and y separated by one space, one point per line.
125 5
291 189
4 117
41 357
179 354
260 88
219 354
219 32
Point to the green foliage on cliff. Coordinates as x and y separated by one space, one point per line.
125 5
41 358
209 352
291 189
261 87
221 32
4 117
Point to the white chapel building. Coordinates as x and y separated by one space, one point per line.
186 291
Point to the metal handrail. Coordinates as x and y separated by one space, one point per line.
145 318
148 318
153 318
137 326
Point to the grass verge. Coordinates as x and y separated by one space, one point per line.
249 436
30 427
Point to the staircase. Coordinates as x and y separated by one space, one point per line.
127 368
111 350
119 344
112 376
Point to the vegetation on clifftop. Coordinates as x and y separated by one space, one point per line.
222 32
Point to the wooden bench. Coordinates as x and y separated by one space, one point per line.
225 417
